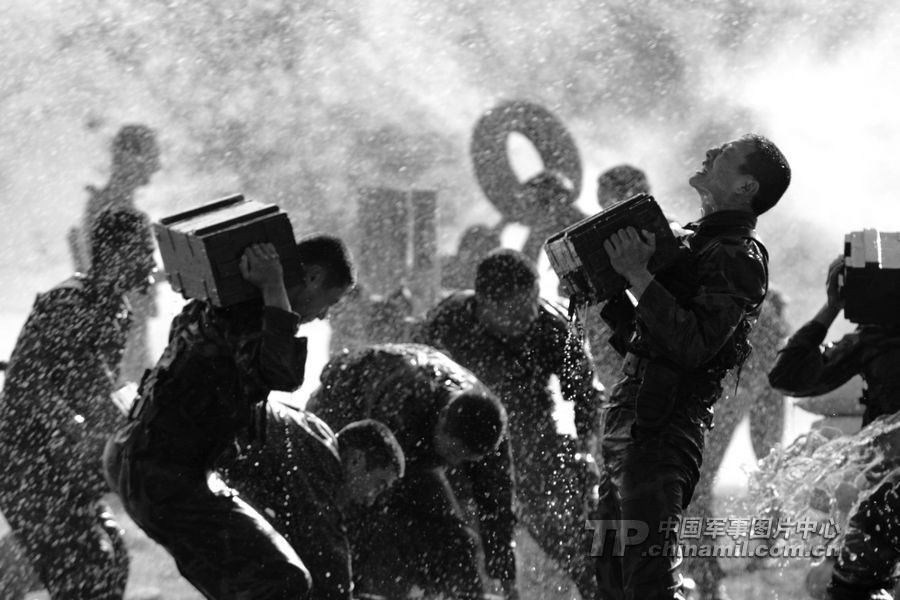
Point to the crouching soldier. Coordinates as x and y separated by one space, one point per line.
303 478
442 416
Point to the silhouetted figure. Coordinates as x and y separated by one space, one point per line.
618 184
135 158
458 271
360 319
614 185
548 199
56 413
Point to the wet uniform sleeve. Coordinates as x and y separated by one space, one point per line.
492 487
804 368
274 360
732 279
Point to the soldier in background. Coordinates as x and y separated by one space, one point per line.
56 414
516 343
135 158
807 368
615 185
361 319
458 271
548 199
618 184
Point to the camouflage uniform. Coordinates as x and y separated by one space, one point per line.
688 329
553 475
764 406
209 387
294 478
416 534
55 416
805 368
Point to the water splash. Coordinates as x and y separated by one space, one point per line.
822 477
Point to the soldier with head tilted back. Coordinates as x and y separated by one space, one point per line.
682 329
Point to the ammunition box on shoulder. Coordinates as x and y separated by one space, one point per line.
201 248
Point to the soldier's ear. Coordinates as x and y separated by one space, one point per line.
748 187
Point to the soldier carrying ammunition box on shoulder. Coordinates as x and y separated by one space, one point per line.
209 388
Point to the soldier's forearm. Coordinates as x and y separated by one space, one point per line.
827 314
275 295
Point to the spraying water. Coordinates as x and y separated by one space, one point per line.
822 477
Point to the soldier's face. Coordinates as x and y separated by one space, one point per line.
721 175
364 485
312 299
512 317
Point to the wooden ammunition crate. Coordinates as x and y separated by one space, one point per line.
871 278
201 248
580 261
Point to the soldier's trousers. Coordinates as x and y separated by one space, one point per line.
416 536
223 546
64 529
646 483
871 546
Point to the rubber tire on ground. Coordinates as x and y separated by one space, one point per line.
493 169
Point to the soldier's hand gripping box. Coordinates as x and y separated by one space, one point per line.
580 261
871 278
201 248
